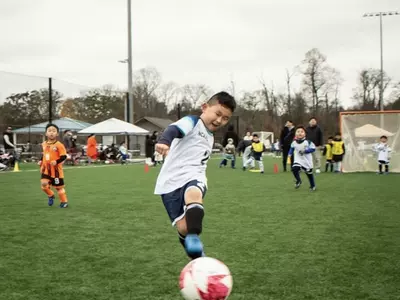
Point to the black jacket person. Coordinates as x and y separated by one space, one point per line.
286 139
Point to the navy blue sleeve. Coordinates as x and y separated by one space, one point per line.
291 151
172 132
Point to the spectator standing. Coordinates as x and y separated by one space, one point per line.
315 135
286 139
8 142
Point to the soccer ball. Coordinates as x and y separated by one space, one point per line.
205 278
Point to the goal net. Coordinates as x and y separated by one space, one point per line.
361 131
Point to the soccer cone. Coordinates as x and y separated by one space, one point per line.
275 168
146 168
16 167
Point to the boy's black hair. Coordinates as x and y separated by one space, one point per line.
313 118
255 135
300 127
384 137
224 99
330 138
53 125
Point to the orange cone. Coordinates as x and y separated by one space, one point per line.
146 168
275 168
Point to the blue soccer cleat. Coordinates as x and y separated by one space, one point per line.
194 246
51 201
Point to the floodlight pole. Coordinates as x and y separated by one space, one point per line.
381 15
130 114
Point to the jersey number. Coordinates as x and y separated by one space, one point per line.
56 181
206 157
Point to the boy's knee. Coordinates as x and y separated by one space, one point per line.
295 168
193 195
60 190
44 185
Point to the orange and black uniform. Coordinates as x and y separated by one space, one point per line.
53 151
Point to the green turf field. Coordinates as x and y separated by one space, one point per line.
341 242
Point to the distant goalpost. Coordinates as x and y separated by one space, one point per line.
361 130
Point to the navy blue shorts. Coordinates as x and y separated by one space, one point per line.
301 168
174 202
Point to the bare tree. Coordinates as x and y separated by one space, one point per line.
146 80
265 96
196 94
367 92
395 93
251 102
314 69
289 90
331 88
167 94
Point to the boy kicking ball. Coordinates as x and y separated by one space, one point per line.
182 182
302 161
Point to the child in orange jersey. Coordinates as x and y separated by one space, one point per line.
51 169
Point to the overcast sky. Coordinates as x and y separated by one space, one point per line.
207 41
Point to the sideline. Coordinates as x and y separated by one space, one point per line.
68 168
86 167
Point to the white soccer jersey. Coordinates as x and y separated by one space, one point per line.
187 157
302 159
383 152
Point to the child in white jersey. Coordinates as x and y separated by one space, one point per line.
303 160
229 154
383 150
182 183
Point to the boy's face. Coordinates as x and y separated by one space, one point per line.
51 133
383 140
330 141
256 139
300 133
337 137
215 116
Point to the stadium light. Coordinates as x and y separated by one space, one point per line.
380 15
129 109
130 115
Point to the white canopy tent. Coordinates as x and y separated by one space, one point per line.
113 127
371 131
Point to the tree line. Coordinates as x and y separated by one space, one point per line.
262 109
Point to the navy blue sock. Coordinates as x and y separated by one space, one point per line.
232 163
194 218
311 179
181 239
296 173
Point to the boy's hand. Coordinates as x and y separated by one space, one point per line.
162 149
39 163
53 163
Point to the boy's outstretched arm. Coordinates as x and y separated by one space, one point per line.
291 151
172 132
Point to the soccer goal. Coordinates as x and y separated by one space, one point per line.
361 130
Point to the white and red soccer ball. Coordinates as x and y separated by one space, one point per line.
205 278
